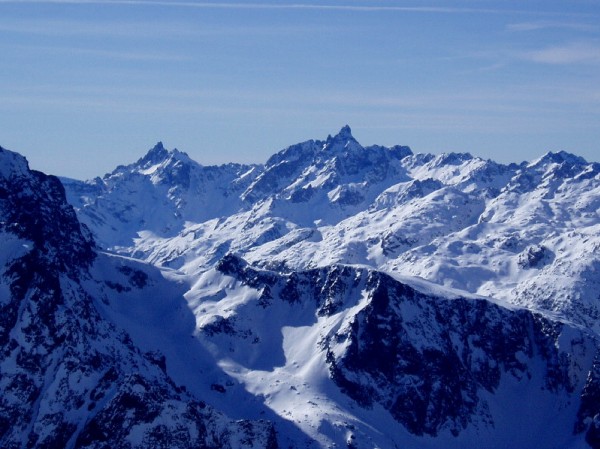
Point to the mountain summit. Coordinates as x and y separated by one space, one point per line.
343 137
155 155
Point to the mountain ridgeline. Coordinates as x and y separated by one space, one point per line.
335 296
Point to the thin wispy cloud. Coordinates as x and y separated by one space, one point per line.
117 29
545 25
435 118
149 30
574 53
297 6
173 100
106 54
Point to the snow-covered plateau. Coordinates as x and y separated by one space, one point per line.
335 296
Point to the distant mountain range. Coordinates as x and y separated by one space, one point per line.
335 296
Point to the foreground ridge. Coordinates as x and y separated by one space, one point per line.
70 376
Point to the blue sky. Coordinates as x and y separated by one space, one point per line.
88 85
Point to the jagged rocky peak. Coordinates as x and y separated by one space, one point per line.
558 157
159 154
326 166
33 207
172 167
553 167
452 158
345 132
343 137
305 152
12 164
156 153
344 143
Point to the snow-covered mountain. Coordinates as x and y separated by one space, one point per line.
336 296
528 234
159 193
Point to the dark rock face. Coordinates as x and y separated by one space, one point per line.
426 359
340 159
34 208
145 414
69 377
588 416
535 256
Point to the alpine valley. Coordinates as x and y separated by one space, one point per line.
337 296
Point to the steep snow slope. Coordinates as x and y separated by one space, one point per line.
70 377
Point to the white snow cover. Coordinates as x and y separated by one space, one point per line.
526 234
523 236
